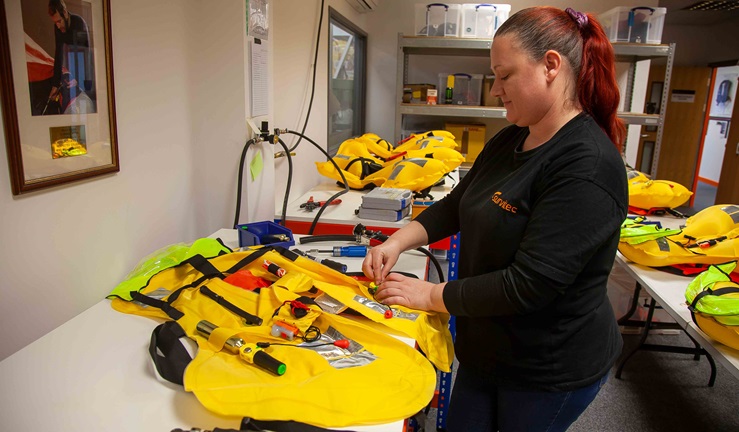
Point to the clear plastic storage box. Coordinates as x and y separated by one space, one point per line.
467 88
437 19
640 24
481 20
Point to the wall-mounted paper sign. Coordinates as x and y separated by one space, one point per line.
683 96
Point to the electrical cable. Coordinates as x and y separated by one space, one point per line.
289 180
240 180
313 85
334 196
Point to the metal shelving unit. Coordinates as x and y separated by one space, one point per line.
446 46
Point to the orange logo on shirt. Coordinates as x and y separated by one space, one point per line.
505 205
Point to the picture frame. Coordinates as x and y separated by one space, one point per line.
57 92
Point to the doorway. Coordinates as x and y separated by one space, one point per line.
715 141
347 80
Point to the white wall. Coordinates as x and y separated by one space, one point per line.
179 76
296 23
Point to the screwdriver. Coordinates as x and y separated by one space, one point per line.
344 251
251 353
327 262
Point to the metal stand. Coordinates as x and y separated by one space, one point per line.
696 351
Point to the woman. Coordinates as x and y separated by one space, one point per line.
539 214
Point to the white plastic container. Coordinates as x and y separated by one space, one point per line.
634 24
482 20
437 19
467 88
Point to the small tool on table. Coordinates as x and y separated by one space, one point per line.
311 205
344 251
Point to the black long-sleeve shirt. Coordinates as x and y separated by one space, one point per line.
539 233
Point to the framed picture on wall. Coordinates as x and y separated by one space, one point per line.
57 91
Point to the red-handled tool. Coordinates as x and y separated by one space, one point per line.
311 205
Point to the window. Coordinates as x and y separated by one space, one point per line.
347 80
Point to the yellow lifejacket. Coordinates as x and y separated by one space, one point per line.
376 145
412 141
709 237
646 194
713 299
415 174
323 386
369 161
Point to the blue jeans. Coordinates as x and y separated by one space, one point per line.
479 406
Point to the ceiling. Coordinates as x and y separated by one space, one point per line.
676 16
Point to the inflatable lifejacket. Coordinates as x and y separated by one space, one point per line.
423 163
646 194
709 237
376 145
294 320
410 142
713 300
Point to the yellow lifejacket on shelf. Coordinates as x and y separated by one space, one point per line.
713 299
647 194
326 385
709 237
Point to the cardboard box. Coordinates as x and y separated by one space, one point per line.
469 137
487 98
418 91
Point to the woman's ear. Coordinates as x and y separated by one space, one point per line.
553 63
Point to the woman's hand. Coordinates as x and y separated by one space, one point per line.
380 260
413 293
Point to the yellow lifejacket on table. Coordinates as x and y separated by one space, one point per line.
412 141
423 164
709 237
647 194
713 299
322 383
376 145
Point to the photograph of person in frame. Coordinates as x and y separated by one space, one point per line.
62 82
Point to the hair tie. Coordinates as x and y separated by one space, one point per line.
580 18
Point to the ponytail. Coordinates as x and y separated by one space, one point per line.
597 89
581 40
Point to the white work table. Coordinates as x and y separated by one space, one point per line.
668 290
340 218
94 373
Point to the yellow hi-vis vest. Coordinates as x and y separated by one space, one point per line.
377 379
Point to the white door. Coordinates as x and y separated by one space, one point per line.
714 146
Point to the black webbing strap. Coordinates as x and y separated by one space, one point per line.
250 259
168 353
249 424
160 304
201 264
718 292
